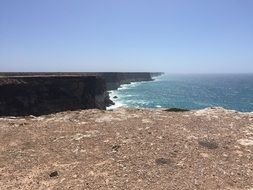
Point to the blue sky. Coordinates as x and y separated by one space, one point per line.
176 36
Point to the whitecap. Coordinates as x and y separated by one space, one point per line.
116 105
130 85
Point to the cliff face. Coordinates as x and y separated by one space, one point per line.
156 74
43 95
114 80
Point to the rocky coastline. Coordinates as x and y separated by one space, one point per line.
51 137
45 93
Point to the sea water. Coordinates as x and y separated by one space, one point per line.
190 91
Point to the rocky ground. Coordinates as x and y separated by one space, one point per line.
128 149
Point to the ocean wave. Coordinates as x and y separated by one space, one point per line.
185 91
128 86
158 78
123 98
117 101
123 87
136 102
116 105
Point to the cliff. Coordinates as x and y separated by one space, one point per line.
156 74
38 95
148 149
114 80
44 93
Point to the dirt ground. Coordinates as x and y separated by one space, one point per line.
206 149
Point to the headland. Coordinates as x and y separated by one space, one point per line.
56 134
45 93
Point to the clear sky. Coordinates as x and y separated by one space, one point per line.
176 36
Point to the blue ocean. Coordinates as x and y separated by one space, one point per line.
190 91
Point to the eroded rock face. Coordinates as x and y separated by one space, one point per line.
114 80
128 149
48 94
44 93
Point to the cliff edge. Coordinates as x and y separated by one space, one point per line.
128 149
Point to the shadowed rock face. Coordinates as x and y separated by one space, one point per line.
114 80
43 95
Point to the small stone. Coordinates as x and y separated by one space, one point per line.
162 161
208 144
115 97
53 174
115 148
245 142
204 155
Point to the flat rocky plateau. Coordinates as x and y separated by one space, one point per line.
128 149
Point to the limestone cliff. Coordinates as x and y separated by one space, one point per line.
114 80
47 94
44 93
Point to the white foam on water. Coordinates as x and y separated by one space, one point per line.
119 102
123 87
158 78
131 85
136 102
116 105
